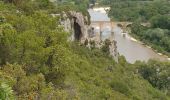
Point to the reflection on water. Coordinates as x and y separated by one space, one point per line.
133 50
127 46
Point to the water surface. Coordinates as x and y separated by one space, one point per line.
127 46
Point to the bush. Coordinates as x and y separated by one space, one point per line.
6 92
120 87
157 73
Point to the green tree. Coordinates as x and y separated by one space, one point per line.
106 47
161 21
6 92
7 38
157 74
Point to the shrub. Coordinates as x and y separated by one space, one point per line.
120 87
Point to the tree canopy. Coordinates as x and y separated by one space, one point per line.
37 62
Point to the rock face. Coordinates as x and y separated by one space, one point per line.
113 50
76 23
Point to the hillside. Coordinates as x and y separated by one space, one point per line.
39 63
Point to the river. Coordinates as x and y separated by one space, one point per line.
127 46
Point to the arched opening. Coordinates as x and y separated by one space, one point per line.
77 30
129 26
120 25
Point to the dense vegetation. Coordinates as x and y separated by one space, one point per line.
157 73
72 5
38 63
155 12
157 36
143 10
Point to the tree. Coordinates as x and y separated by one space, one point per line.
43 4
93 1
157 74
7 39
137 28
106 47
161 21
16 2
6 92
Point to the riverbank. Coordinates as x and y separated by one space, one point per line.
131 48
135 38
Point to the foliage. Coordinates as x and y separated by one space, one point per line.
76 5
161 21
144 10
121 87
6 92
38 62
157 73
99 77
155 36
106 47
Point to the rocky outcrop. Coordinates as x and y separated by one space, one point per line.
76 23
113 50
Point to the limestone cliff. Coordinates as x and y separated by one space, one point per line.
76 23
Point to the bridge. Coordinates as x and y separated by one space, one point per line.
104 24
101 25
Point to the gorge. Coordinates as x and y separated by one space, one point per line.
49 50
